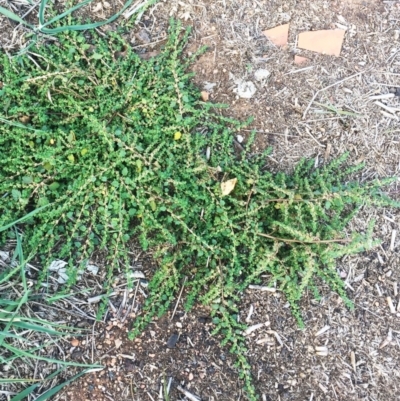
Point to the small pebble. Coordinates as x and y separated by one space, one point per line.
261 74
246 89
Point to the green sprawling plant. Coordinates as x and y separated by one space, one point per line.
21 336
100 147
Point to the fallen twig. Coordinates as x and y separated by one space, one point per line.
191 396
327 87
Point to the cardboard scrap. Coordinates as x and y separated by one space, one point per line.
278 35
327 41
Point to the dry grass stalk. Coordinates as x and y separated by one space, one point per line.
262 288
322 331
353 360
391 306
187 394
255 327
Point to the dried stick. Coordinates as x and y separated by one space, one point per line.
330 86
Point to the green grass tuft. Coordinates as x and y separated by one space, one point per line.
26 339
103 147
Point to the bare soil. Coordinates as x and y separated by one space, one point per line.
320 109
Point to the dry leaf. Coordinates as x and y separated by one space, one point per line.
74 342
24 119
204 96
228 186
118 343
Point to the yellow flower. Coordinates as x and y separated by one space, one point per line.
177 136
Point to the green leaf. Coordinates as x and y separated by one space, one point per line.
27 180
16 194
97 56
54 186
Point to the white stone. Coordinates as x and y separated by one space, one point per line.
261 74
56 265
246 89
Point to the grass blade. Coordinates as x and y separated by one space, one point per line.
42 8
8 302
14 17
49 393
4 278
85 26
35 327
65 13
39 209
33 320
62 296
10 335
5 381
27 354
24 393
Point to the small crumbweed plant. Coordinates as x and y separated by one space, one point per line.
100 147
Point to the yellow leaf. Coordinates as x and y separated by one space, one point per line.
52 141
177 136
71 158
153 205
298 197
228 186
31 144
84 151
47 166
